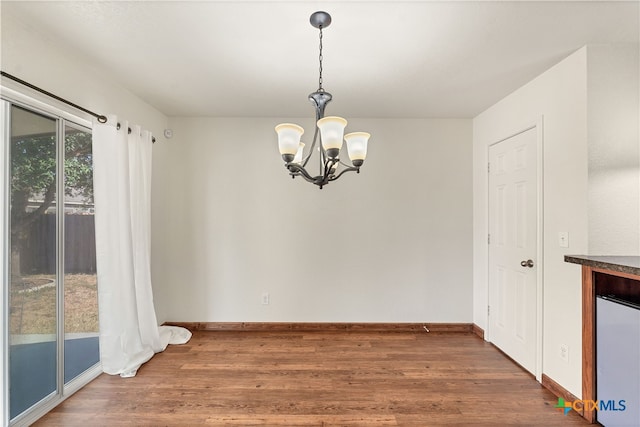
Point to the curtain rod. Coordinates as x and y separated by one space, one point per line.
101 118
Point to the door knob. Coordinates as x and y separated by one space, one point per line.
527 263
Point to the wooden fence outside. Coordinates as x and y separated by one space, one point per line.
37 252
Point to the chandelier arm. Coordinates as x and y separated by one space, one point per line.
296 168
322 162
349 169
327 167
323 156
313 144
319 99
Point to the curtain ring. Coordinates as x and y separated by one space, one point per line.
118 128
153 138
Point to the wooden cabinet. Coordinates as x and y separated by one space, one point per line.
601 275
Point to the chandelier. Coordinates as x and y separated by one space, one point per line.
329 129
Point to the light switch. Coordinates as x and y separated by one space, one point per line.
563 239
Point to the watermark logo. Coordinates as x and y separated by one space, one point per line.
563 406
590 405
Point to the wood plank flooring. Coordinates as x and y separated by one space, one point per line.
319 379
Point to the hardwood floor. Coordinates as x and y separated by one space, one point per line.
319 379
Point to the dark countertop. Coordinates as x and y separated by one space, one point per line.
622 264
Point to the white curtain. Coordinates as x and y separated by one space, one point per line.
129 331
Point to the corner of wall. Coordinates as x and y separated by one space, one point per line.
613 109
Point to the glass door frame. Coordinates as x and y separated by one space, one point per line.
4 260
63 118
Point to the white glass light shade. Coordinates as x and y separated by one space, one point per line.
357 145
298 157
289 138
332 131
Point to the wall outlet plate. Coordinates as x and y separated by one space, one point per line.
564 352
563 239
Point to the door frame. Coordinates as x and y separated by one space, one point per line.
539 128
4 261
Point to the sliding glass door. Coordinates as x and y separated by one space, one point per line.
51 311
80 281
33 338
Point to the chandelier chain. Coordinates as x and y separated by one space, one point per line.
320 89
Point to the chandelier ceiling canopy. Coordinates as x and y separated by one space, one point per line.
329 130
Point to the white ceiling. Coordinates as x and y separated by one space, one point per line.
381 58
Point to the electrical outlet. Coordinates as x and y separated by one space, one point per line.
564 352
265 298
563 239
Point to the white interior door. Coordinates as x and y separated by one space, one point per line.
513 247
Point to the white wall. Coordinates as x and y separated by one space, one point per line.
46 63
392 244
614 150
559 96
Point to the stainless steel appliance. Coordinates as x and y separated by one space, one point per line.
618 361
